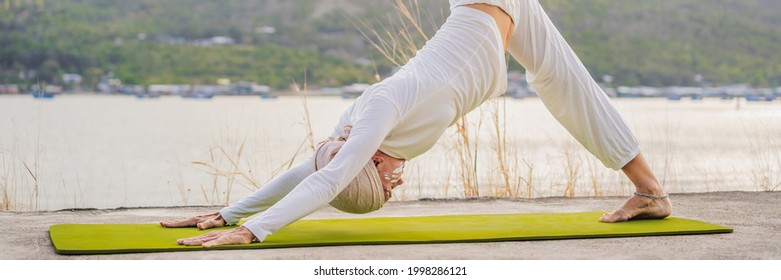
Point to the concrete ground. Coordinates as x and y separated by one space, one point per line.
755 217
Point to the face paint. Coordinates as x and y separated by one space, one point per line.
399 169
395 174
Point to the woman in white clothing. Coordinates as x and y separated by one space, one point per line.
461 67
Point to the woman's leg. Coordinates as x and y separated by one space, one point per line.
567 89
579 104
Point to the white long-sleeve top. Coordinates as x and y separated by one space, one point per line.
458 69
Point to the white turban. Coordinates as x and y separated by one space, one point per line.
363 194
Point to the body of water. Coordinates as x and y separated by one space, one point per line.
92 151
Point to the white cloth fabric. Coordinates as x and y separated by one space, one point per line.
462 66
563 83
458 69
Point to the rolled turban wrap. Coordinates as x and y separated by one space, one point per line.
365 192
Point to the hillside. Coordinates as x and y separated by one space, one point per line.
668 42
276 42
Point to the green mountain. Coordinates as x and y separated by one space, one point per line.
669 42
278 42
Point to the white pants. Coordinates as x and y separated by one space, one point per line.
563 83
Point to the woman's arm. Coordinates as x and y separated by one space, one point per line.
373 124
269 194
258 201
263 198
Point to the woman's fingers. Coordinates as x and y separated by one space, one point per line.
223 240
198 240
239 235
188 241
235 236
205 222
210 223
189 222
202 236
195 221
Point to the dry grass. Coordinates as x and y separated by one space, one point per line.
596 178
6 191
35 197
572 171
20 185
499 118
467 159
766 172
398 38
228 167
19 173
528 180
307 123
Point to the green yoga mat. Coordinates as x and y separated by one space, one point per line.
76 239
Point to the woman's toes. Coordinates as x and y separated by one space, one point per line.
616 216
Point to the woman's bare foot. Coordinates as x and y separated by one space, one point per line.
649 202
239 235
207 221
640 207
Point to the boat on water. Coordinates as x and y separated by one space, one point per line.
354 90
46 92
42 94
147 95
268 96
757 98
199 94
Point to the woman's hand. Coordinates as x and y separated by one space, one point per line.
239 235
201 222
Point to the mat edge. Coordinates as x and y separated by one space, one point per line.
272 246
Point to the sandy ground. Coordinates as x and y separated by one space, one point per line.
755 217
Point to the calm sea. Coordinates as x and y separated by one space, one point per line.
91 151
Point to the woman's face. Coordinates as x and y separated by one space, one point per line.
390 170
